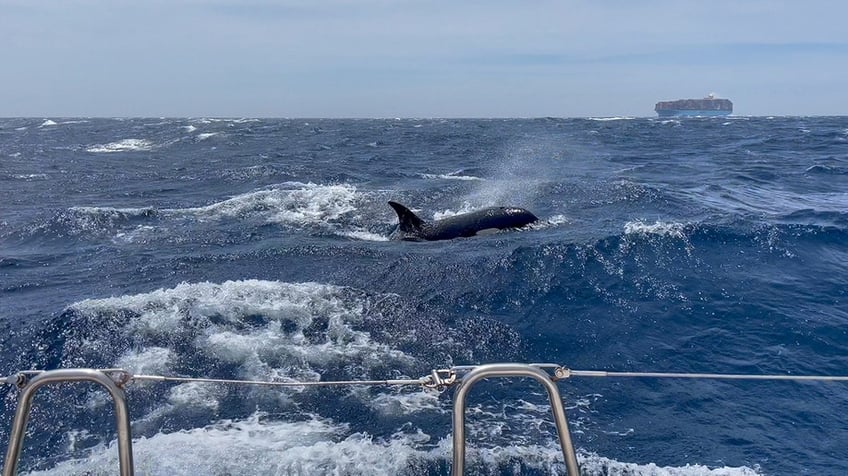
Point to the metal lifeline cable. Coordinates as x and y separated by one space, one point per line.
442 378
561 372
438 379
603 373
435 379
113 380
160 378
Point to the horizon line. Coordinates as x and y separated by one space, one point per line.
260 117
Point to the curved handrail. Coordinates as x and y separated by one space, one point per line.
463 376
122 417
509 370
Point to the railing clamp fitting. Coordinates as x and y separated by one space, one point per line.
561 373
440 379
19 380
120 377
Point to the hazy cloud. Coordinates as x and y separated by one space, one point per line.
405 58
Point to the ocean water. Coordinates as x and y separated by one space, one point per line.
261 249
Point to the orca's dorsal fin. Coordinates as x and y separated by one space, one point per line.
408 222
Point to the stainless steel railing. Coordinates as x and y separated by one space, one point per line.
114 379
464 377
30 386
509 370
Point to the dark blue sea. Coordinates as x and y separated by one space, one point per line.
261 249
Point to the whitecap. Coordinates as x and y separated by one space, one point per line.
125 145
260 446
141 234
194 395
151 360
30 176
291 203
594 464
613 118
550 222
272 347
82 221
110 211
365 235
676 230
404 402
451 176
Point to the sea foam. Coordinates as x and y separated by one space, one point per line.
291 203
210 319
125 145
451 176
316 446
671 229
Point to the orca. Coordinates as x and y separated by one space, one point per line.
413 228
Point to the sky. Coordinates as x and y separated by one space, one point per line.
405 58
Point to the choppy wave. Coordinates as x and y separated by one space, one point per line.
557 220
213 120
365 235
50 122
598 465
206 135
266 329
326 208
613 118
827 169
451 176
124 145
292 203
671 229
256 171
94 221
29 176
682 245
760 199
261 446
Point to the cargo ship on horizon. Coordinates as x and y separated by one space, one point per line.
709 106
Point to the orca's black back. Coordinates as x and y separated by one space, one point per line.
469 224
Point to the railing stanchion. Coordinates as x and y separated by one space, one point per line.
509 370
122 417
